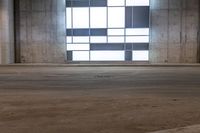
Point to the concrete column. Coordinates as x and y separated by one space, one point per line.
6 32
198 52
174 30
159 31
42 31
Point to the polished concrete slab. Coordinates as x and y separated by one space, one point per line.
106 99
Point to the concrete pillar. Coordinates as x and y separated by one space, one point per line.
6 32
198 52
42 31
174 31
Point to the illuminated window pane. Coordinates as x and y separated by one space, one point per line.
107 55
116 17
137 39
69 17
81 56
137 2
71 47
98 16
115 32
80 17
81 39
98 39
140 55
116 39
116 2
138 31
69 39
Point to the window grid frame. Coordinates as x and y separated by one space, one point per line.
107 36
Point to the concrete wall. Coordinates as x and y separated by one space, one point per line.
6 32
42 31
174 31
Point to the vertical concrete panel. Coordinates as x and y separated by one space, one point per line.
190 23
159 31
175 4
174 42
159 26
158 52
159 4
6 32
42 31
191 29
174 23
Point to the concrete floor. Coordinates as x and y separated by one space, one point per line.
188 129
98 99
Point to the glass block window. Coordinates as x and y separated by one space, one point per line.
107 30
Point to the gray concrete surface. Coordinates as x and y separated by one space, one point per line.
189 129
6 32
42 31
53 99
174 31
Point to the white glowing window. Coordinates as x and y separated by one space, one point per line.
107 55
89 24
116 2
116 39
81 56
78 47
69 39
140 55
80 17
98 17
69 17
138 31
137 2
98 39
116 17
112 32
137 39
81 39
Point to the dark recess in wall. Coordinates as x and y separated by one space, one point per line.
198 52
17 31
